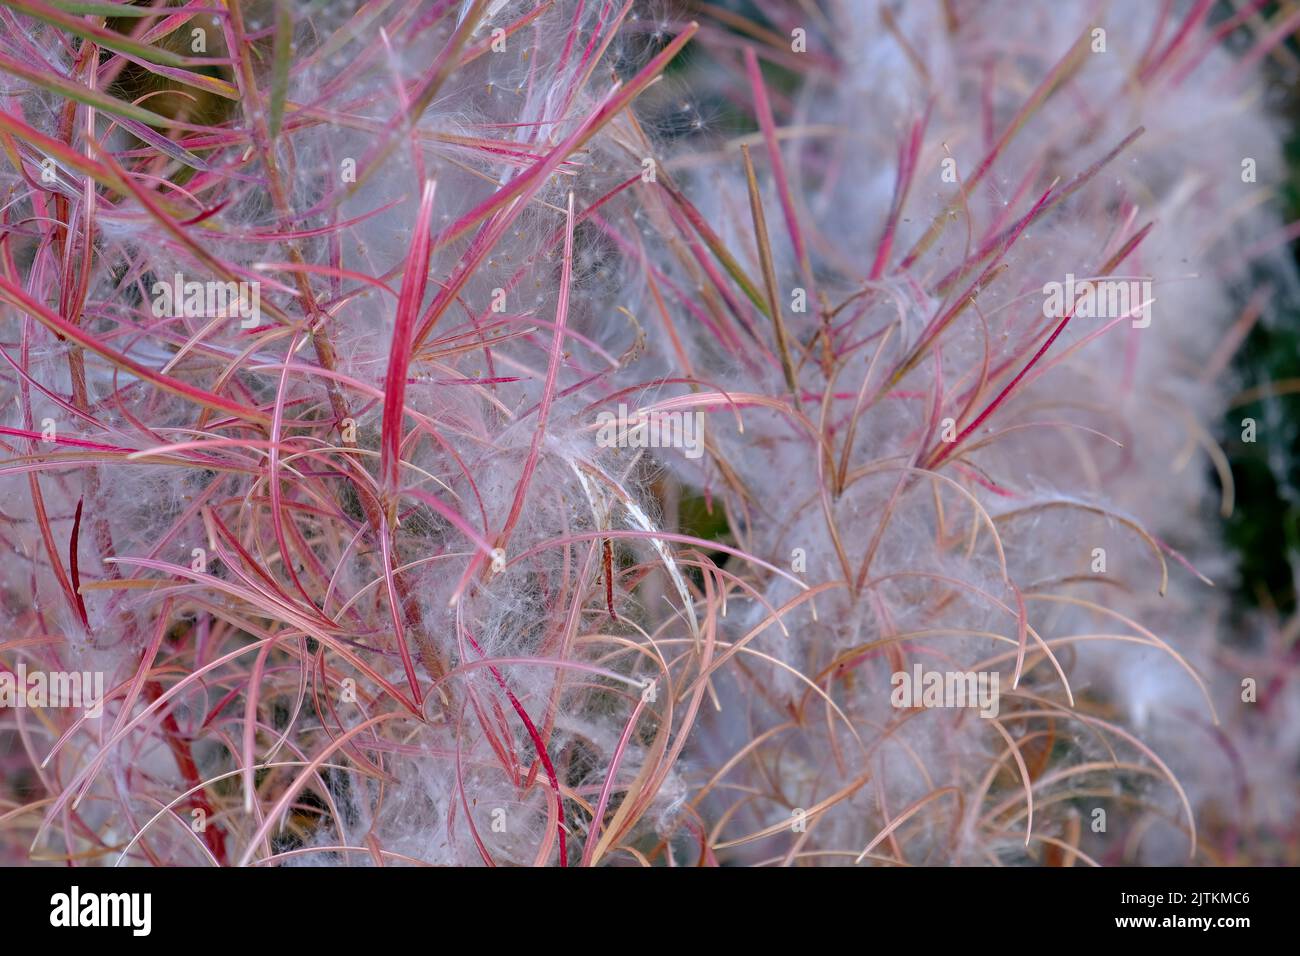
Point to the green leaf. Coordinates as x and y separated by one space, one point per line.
280 67
83 94
98 35
108 9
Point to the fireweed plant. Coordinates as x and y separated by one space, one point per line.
311 316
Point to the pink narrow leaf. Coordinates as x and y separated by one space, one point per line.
73 566
414 281
75 442
763 108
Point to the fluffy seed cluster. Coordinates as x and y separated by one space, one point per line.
487 433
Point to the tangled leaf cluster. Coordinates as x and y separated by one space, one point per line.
582 433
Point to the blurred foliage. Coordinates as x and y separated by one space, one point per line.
1265 526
